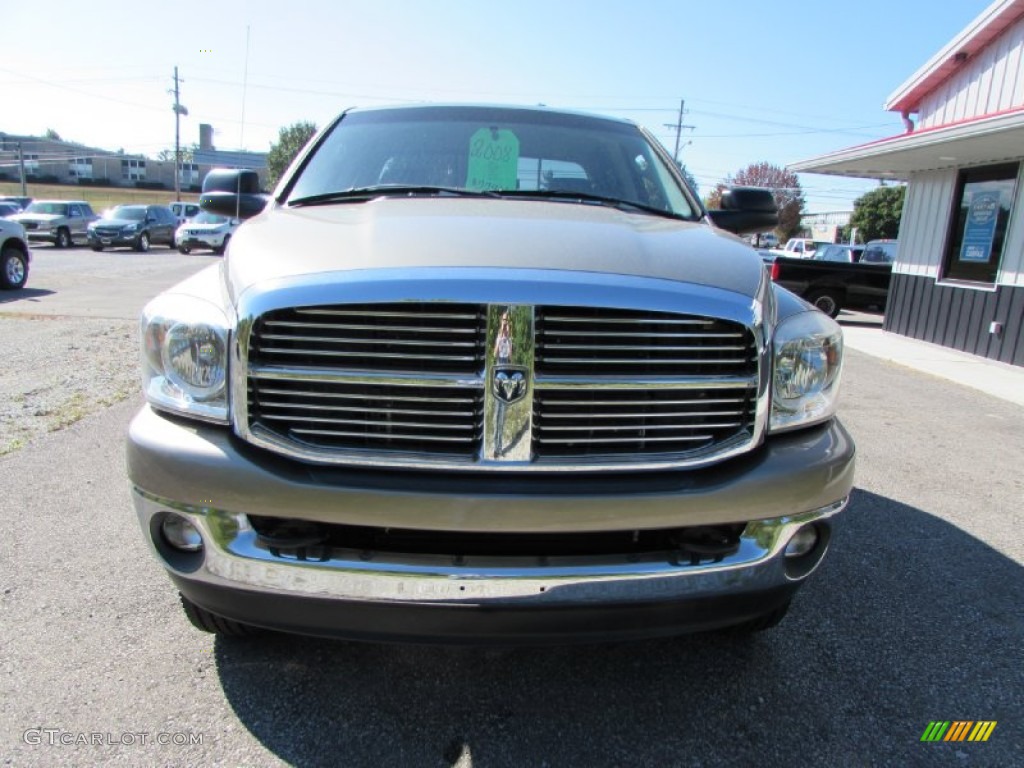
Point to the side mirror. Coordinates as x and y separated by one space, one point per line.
746 209
232 193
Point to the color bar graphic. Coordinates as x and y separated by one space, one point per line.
958 730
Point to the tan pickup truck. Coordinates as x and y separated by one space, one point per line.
487 374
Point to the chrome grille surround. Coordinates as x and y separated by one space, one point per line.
682 412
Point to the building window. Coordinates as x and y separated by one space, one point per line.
981 217
133 170
188 174
80 167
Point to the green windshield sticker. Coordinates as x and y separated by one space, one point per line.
493 159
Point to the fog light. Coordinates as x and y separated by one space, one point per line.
803 541
181 534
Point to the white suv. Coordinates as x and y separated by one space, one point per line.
14 255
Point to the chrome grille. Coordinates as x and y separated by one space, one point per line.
311 368
409 337
407 383
328 415
615 342
574 422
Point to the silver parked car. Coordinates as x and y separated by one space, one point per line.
61 222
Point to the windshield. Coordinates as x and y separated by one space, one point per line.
59 209
205 217
879 253
128 212
492 150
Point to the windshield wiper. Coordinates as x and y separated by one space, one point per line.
362 194
585 198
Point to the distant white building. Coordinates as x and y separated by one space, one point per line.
959 273
53 161
825 227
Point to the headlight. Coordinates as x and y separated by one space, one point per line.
129 227
808 361
185 357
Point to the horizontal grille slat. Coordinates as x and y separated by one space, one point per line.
641 415
623 335
362 354
417 316
645 362
643 348
370 396
624 441
391 437
647 427
607 318
269 404
370 327
367 342
387 422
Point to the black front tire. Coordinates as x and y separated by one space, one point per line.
63 238
142 243
184 250
97 248
210 622
13 269
828 301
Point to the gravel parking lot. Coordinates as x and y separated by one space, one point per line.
58 369
68 341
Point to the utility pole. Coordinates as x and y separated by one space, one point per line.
179 110
678 125
21 168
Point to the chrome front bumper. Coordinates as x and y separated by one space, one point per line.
201 473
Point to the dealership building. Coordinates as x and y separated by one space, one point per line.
958 279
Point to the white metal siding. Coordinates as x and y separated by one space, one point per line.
1012 269
924 223
924 228
991 81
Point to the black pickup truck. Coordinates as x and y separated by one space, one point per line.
854 281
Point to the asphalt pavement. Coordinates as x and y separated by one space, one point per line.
863 332
915 616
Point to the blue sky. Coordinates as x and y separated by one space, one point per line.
763 81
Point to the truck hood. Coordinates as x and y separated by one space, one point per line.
406 233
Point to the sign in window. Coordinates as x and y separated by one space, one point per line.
981 218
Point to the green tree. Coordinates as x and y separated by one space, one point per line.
290 140
53 135
876 215
187 153
785 187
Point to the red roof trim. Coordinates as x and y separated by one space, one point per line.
936 128
975 37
